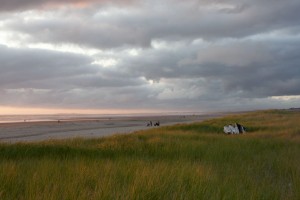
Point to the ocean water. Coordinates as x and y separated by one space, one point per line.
66 117
40 118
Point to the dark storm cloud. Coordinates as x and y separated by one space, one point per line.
146 22
42 69
35 77
248 69
20 66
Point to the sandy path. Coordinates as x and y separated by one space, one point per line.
38 131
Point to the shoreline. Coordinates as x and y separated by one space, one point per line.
7 119
89 128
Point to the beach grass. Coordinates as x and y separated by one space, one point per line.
187 161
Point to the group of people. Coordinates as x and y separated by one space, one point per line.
153 124
234 129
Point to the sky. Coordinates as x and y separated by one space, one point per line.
131 56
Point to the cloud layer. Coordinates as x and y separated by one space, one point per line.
172 55
15 5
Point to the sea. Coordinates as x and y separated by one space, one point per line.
60 117
69 117
41 118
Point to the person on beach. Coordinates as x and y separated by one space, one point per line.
150 123
157 123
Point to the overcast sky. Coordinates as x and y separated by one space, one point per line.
150 55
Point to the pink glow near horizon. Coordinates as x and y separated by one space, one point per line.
34 111
82 4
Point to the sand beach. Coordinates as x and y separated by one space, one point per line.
88 128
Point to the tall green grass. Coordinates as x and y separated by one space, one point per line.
192 161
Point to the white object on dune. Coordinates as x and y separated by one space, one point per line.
234 129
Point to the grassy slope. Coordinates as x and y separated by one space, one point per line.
193 161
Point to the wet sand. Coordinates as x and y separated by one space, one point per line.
88 128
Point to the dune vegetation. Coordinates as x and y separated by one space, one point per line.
187 161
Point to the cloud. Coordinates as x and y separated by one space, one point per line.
43 78
15 5
24 66
40 69
114 27
248 68
185 55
